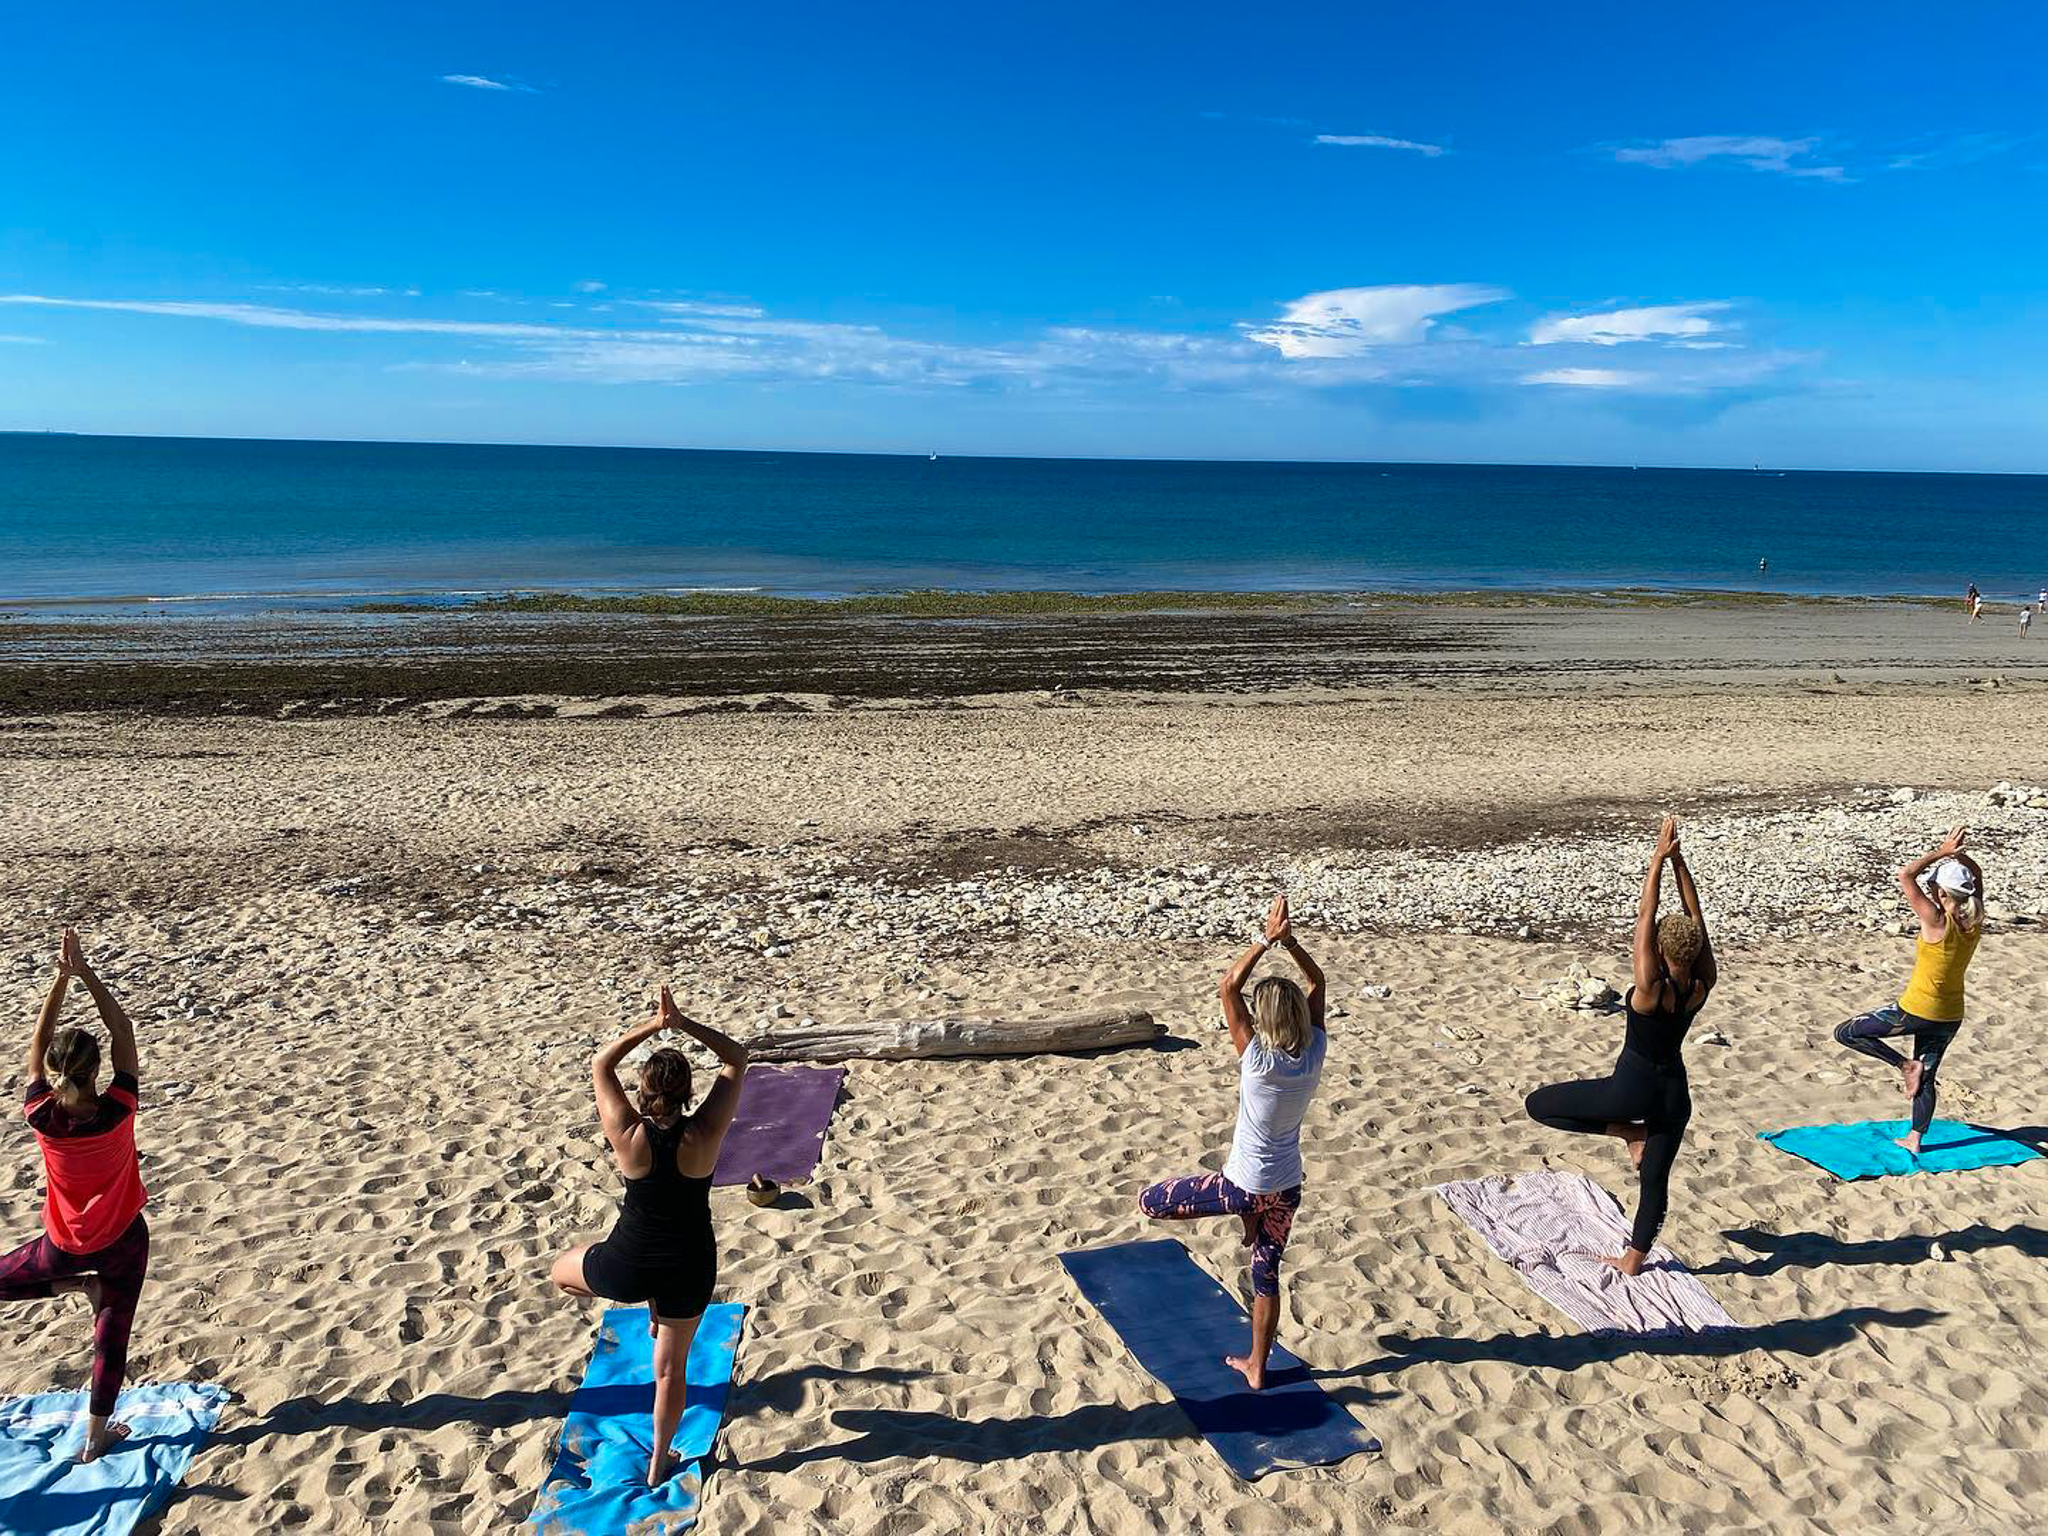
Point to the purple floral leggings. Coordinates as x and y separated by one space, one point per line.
1211 1194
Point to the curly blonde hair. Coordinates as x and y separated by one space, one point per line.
1680 939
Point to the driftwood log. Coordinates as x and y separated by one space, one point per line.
902 1039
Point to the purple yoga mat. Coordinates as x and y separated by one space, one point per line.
780 1128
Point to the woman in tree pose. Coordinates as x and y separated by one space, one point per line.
1946 891
661 1251
94 1240
1646 1100
1279 1039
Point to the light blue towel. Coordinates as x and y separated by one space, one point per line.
44 1492
1866 1149
598 1484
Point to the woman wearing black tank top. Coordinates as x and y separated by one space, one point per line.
661 1251
1646 1100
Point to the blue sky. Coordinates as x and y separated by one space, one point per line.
1806 235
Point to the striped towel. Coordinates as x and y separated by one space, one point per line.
1554 1227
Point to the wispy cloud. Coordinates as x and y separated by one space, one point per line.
1393 336
1957 149
1758 152
590 285
1345 322
341 291
1589 378
23 341
1379 141
486 83
1677 324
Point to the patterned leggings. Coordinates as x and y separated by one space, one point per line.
1211 1194
33 1269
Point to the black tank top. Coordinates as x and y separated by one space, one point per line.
1657 1037
665 1207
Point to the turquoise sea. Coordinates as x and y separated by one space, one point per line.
219 525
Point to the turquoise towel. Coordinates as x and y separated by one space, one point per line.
598 1484
43 1492
1866 1149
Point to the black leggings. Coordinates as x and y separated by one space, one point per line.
1867 1033
1637 1090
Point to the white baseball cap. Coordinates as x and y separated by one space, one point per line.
1954 875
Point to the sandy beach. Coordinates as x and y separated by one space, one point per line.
373 912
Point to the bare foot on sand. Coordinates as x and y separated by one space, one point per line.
98 1446
1242 1364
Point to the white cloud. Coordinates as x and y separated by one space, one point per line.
23 341
1685 325
590 285
1347 322
485 83
1759 152
715 311
1589 378
1391 336
1379 141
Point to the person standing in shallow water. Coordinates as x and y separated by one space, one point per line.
94 1241
661 1251
1647 1101
1279 1038
1946 891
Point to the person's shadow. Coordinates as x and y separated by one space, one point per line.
1808 1336
1810 1250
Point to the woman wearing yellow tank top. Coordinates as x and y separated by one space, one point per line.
1946 890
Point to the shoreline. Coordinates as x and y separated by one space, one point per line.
689 655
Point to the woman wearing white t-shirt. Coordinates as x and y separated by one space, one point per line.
1279 1039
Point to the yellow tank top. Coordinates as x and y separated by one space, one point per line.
1935 991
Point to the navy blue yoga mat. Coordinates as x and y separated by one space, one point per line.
1180 1324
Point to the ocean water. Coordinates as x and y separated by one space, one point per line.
222 524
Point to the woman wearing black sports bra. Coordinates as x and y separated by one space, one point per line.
661 1251
1646 1101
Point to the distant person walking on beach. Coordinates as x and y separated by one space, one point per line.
94 1241
1946 891
661 1251
1973 601
1279 1038
2041 602
2026 618
1647 1100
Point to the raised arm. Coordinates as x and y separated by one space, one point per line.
46 1024
1649 967
1924 906
1311 973
1236 1016
714 1115
119 1029
1705 967
615 1111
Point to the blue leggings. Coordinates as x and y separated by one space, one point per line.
1211 1194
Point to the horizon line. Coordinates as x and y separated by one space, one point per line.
1029 458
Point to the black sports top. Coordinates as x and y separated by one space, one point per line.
666 1209
1657 1037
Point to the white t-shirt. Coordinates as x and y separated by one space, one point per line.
1273 1094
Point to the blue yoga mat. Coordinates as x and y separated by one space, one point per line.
1180 1324
43 1492
1865 1150
598 1484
